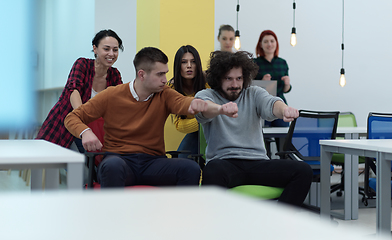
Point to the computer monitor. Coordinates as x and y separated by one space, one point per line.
269 86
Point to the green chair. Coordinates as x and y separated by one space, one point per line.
346 119
256 191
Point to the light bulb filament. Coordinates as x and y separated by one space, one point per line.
237 43
342 80
293 39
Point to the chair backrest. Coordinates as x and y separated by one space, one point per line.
202 142
347 119
306 131
379 126
97 128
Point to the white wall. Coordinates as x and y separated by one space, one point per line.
68 32
120 16
65 31
67 28
316 60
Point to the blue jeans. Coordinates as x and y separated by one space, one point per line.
190 143
145 169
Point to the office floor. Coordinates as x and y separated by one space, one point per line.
366 220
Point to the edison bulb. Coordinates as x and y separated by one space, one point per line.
342 80
293 38
237 43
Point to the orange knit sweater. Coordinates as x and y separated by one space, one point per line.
130 126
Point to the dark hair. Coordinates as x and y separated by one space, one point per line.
222 62
225 27
259 51
199 81
147 57
106 33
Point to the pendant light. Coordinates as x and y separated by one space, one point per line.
342 80
237 42
293 38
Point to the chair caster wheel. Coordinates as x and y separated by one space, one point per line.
339 194
365 201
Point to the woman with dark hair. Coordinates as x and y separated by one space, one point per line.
272 67
226 37
87 78
188 79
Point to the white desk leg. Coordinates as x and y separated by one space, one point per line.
354 187
354 183
52 178
325 182
348 187
75 176
36 179
351 182
383 194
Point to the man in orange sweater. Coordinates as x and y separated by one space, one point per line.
135 115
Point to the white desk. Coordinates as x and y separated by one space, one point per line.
346 132
381 149
165 213
351 205
38 154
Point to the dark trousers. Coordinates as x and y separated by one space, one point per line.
294 176
144 169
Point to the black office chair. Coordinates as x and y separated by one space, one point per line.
302 140
379 126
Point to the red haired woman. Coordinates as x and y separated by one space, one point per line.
272 68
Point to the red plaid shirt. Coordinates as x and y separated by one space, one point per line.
80 78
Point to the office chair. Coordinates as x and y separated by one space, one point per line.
379 126
256 191
345 119
302 139
94 158
302 144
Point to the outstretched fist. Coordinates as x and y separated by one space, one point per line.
289 114
229 109
197 105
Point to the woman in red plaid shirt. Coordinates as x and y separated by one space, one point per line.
87 78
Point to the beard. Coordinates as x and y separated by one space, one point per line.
231 96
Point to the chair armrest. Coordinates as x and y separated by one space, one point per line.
283 154
90 162
269 140
175 154
199 159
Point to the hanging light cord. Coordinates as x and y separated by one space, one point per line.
342 32
294 13
238 9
